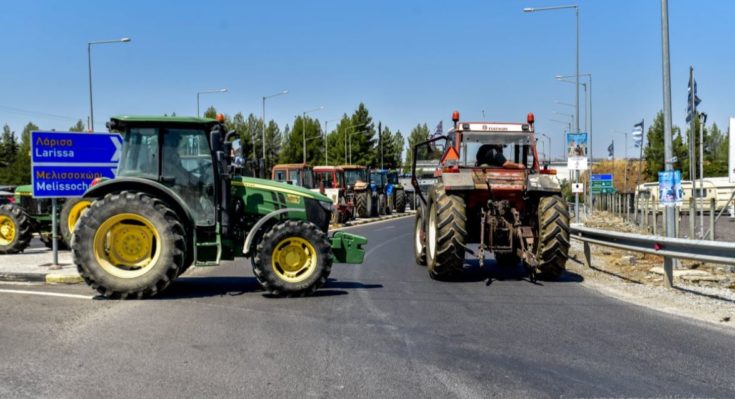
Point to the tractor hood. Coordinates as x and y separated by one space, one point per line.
285 188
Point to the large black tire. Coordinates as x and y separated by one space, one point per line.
16 229
446 234
129 245
70 213
400 204
419 238
280 245
552 248
362 199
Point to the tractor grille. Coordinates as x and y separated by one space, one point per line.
316 214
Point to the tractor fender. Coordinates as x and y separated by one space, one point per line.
253 231
154 188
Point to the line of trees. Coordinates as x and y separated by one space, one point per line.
715 149
354 139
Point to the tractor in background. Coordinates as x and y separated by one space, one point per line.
391 194
490 191
297 174
357 190
178 201
23 215
330 181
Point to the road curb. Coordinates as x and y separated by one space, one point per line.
48 278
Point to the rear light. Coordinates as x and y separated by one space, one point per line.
11 199
548 171
451 169
96 181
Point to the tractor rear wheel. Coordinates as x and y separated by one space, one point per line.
129 245
419 238
70 213
15 229
400 205
446 234
294 258
552 248
361 204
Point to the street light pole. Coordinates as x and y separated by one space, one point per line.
576 13
208 92
668 152
303 128
89 63
264 123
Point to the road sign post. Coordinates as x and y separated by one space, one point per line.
63 164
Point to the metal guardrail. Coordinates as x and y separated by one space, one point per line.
668 247
680 248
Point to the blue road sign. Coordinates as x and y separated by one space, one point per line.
63 164
601 177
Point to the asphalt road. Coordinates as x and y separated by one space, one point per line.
379 330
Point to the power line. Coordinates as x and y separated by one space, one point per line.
25 111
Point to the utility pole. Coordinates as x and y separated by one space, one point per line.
380 139
668 152
702 121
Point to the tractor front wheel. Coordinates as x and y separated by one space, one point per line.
552 248
15 229
294 258
362 207
419 238
129 245
446 234
400 205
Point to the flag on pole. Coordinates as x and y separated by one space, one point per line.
439 131
611 151
697 100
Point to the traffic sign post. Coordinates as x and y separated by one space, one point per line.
63 164
601 184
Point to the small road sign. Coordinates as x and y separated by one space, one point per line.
602 184
63 164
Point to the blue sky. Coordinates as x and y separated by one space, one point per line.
408 61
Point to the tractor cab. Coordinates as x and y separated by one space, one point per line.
175 153
297 174
329 177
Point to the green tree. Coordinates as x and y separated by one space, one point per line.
8 154
211 112
78 127
272 145
418 134
292 150
715 152
653 154
22 166
392 149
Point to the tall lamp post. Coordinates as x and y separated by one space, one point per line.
89 62
349 135
207 92
548 155
576 12
303 127
280 93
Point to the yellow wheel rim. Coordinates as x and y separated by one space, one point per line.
7 230
294 259
127 245
76 212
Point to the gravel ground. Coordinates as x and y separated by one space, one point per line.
710 299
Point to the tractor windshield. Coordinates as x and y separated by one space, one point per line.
378 178
140 154
353 175
393 177
516 147
326 178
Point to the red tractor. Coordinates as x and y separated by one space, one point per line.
330 181
298 174
490 191
357 190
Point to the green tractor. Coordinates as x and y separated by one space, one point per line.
178 201
24 215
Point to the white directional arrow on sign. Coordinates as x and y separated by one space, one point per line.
117 142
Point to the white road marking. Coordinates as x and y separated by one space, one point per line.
45 293
372 223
